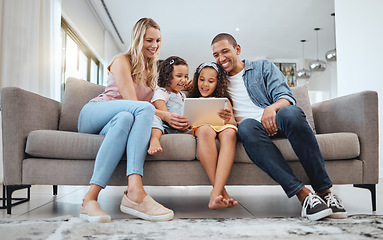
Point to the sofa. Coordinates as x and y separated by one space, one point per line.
41 144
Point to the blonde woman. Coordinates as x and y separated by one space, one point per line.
124 115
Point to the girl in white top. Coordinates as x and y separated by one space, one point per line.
172 77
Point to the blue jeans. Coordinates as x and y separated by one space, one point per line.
292 123
126 125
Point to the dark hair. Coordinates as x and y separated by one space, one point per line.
225 36
220 90
165 73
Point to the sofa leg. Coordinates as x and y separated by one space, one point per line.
7 196
55 190
372 188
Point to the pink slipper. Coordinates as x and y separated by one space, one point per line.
93 213
149 209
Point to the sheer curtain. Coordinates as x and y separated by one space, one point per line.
30 45
30 48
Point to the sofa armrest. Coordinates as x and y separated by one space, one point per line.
357 113
23 112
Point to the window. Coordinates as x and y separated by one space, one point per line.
78 61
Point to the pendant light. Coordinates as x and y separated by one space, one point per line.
331 55
317 65
303 73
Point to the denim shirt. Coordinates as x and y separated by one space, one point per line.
265 83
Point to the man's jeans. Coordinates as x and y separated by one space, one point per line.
292 123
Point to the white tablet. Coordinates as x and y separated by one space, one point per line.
204 110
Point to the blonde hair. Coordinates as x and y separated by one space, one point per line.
137 58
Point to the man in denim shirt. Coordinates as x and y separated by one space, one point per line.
264 106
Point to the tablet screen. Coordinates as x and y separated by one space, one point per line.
204 110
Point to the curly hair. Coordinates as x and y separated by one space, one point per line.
165 73
220 90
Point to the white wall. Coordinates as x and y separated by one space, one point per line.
80 15
359 39
322 85
110 51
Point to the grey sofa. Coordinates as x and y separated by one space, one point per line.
41 144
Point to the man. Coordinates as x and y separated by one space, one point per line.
264 106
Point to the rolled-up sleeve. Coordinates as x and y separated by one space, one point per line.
289 98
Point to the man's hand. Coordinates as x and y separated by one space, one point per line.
268 120
176 121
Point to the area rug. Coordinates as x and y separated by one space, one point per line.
354 227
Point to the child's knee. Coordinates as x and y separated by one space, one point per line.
205 132
228 134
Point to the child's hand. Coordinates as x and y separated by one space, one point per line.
188 85
225 114
187 128
177 121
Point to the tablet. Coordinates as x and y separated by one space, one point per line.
204 110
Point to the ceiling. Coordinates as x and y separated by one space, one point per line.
264 28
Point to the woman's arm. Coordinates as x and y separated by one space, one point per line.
122 72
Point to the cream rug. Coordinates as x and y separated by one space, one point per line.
355 227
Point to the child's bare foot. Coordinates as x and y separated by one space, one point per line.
231 202
154 147
217 202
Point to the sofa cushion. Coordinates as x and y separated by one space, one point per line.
73 145
334 146
303 101
77 93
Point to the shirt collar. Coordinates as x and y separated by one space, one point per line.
248 65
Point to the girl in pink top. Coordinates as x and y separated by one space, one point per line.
124 115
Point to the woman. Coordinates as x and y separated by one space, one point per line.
124 115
